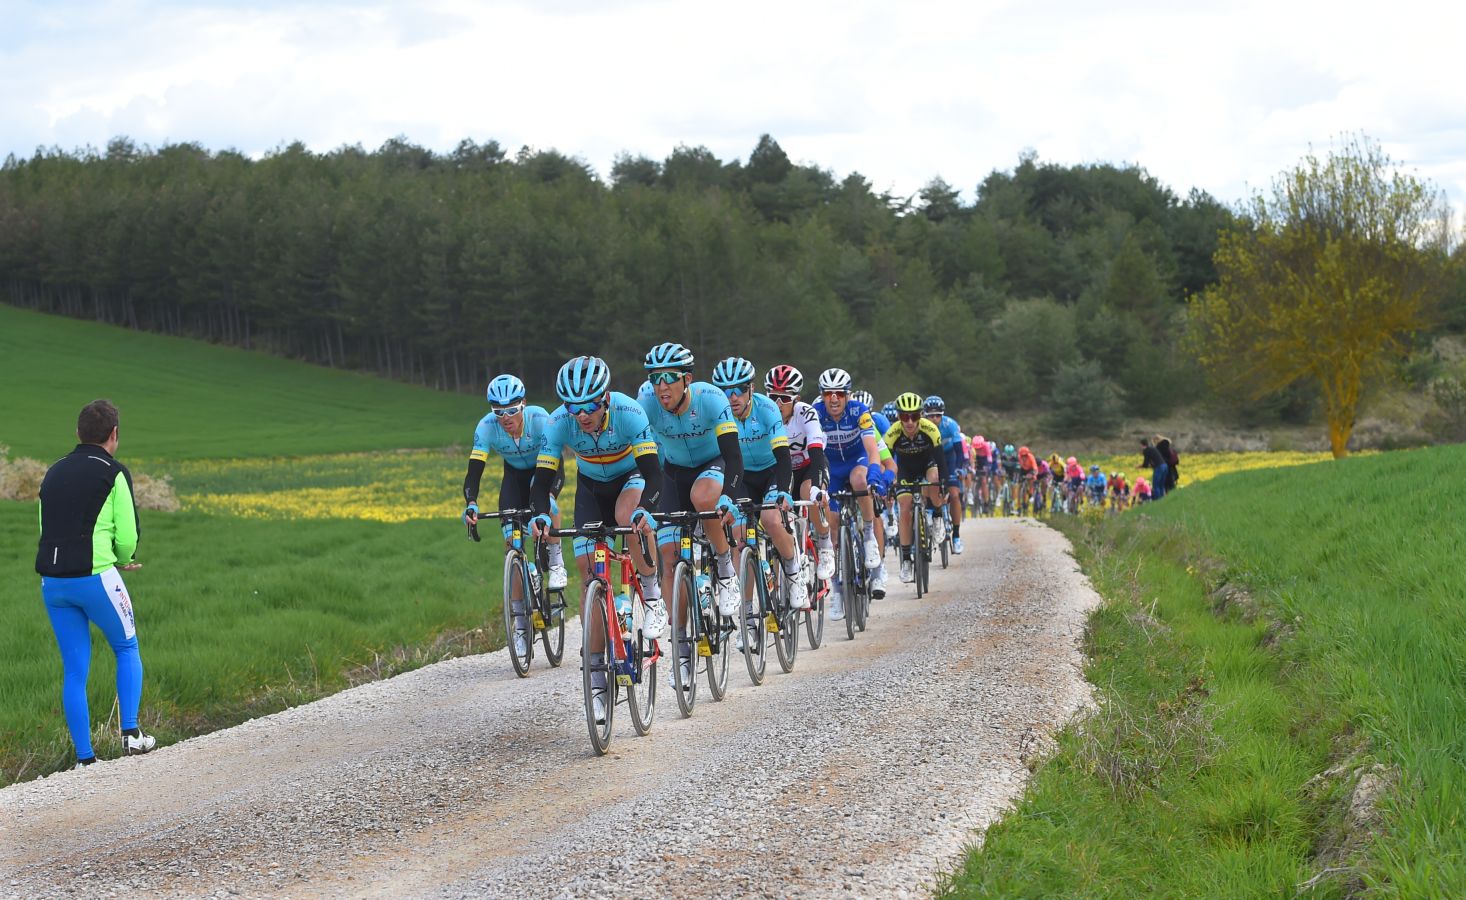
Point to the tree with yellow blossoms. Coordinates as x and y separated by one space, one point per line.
1326 278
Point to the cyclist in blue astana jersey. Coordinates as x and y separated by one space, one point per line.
888 467
693 425
516 432
936 410
767 470
850 447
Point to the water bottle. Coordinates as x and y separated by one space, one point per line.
704 592
623 612
534 580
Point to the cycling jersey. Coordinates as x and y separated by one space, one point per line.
804 432
519 453
917 453
1027 463
690 437
1074 471
1095 484
844 437
607 454
950 431
980 448
760 433
883 425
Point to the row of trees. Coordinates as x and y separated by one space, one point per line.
446 268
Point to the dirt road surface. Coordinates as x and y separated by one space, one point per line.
864 772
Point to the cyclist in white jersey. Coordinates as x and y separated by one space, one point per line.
806 454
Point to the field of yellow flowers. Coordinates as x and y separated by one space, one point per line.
1197 467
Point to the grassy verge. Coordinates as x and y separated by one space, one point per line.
1280 666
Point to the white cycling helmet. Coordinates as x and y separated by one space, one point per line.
835 380
863 397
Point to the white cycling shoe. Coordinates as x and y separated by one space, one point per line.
939 529
872 552
837 606
728 596
521 646
598 706
799 594
878 583
956 545
826 568
132 745
558 578
908 571
655 620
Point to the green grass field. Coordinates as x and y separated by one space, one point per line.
290 573
1218 709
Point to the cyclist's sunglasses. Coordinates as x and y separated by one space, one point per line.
782 398
909 417
736 391
835 393
667 377
505 412
584 409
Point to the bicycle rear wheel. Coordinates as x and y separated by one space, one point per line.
552 609
684 639
516 580
847 576
596 630
753 628
642 697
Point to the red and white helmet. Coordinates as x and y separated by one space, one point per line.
783 380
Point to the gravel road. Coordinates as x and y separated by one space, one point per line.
865 772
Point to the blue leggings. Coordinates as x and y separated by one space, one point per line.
72 603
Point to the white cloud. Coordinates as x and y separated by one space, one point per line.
1220 97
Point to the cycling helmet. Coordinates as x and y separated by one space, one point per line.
505 390
734 371
889 410
1119 474
1009 449
908 402
980 440
834 380
1094 469
1024 451
669 356
783 380
1071 461
934 404
863 397
583 379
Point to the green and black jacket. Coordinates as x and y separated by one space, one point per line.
88 520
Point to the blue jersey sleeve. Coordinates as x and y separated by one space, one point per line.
555 440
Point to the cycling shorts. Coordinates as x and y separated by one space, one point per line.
677 483
514 492
595 501
840 477
915 468
803 475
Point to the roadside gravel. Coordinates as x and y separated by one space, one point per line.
864 772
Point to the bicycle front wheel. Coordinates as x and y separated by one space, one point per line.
946 544
847 576
516 581
552 609
786 640
642 698
754 631
596 630
684 639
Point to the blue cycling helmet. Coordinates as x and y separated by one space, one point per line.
889 410
733 372
583 379
934 404
863 397
669 356
506 390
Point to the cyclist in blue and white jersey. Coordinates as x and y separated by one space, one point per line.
887 521
783 384
618 477
767 470
516 432
1095 486
850 446
694 427
935 409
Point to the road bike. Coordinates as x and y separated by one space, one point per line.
765 587
700 633
612 613
819 588
543 614
850 567
921 537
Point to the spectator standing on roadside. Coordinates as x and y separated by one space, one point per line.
1173 460
1151 459
89 530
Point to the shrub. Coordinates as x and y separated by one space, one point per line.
1083 401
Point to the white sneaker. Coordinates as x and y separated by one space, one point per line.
521 646
908 571
826 568
655 620
558 578
872 552
956 545
729 598
799 594
878 583
837 606
141 743
84 765
598 705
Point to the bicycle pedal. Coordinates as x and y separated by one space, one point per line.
771 623
703 647
538 620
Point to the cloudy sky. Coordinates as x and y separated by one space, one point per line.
1220 96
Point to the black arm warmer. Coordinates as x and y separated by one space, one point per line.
650 467
471 480
539 489
732 465
783 469
821 465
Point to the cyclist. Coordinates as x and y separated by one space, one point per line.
1028 471
617 477
1142 489
806 454
888 469
767 472
517 433
917 445
1074 473
1095 486
936 410
981 465
850 446
694 427
1119 490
